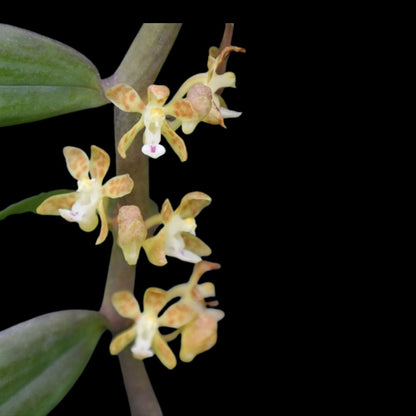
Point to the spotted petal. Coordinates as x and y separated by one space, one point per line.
195 245
176 143
177 315
122 340
77 162
99 163
155 249
53 204
127 139
126 305
192 204
163 351
118 186
126 98
154 300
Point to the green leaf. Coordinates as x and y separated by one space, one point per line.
41 78
41 359
29 204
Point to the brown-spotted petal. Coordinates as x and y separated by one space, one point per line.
99 163
125 98
163 351
77 162
175 142
195 245
123 339
155 249
118 186
53 204
126 304
127 139
177 315
155 300
157 94
192 204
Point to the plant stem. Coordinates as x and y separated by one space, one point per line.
138 69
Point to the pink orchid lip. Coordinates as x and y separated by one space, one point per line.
153 148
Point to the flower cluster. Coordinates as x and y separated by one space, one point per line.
177 236
202 103
191 317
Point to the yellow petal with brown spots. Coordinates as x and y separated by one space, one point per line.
77 162
123 339
126 304
99 163
53 204
118 186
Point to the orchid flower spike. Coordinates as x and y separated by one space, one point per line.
83 205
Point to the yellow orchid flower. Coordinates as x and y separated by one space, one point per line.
189 316
214 83
145 330
83 205
177 237
200 333
153 120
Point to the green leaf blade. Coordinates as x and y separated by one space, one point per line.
29 204
41 78
41 359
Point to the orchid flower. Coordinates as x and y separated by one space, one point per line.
190 316
214 83
83 205
145 330
200 333
153 120
177 237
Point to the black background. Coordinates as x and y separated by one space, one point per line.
50 265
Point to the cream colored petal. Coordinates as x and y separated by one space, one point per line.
53 204
127 139
166 211
155 300
77 162
118 186
177 315
175 142
192 204
195 245
123 339
125 98
104 225
200 335
99 163
126 304
163 351
157 94
155 249
87 223
200 268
